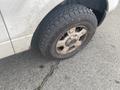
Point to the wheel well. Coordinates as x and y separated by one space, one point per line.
99 7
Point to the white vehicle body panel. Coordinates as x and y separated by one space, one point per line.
22 18
113 4
5 44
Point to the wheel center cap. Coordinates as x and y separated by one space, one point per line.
71 42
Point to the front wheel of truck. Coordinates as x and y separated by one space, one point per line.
66 31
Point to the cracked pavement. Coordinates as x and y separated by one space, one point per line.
97 67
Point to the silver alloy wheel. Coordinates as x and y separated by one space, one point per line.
71 40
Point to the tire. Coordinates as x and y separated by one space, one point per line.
59 21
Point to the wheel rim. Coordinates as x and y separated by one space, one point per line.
71 40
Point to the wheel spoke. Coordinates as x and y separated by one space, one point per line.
61 43
78 43
65 50
82 32
71 31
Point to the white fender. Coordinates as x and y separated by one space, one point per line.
113 4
